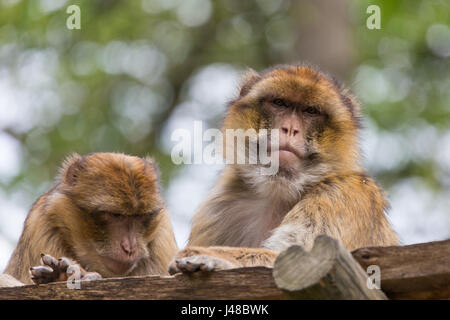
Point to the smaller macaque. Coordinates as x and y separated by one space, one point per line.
105 218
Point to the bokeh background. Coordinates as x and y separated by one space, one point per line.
137 70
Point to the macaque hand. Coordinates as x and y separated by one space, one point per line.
54 270
199 263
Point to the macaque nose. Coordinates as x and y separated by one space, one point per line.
290 126
290 131
128 245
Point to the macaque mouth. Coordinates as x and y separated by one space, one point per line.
287 150
290 149
119 267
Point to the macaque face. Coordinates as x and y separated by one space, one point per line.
121 240
119 204
298 125
317 123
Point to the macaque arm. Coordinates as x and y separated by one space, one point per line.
192 259
349 208
297 228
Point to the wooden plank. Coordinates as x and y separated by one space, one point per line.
419 271
236 284
328 271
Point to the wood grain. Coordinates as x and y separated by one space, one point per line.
236 284
328 271
419 271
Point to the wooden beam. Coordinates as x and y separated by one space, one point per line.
328 271
419 271
236 284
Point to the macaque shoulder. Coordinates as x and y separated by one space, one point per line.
356 186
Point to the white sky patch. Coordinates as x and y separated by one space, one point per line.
382 150
31 98
48 6
157 6
138 59
213 98
438 40
443 153
418 214
375 85
6 249
185 194
10 157
194 13
204 102
12 216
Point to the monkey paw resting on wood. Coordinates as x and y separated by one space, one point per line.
319 188
105 215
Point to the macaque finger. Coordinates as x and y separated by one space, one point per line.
48 260
173 268
207 265
199 263
42 274
91 276
64 263
184 265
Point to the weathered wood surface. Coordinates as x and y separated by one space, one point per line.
237 284
419 271
328 271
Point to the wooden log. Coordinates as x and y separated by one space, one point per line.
236 284
328 271
419 271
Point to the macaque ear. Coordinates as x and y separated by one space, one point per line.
68 173
353 105
350 101
248 80
154 165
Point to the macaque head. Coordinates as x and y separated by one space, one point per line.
317 120
116 208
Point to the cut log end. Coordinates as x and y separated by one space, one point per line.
328 271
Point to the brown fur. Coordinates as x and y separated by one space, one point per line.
330 193
61 222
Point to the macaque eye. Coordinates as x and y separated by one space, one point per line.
116 215
312 111
280 102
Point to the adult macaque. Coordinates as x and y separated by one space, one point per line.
320 187
105 215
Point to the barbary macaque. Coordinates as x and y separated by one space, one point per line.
105 216
319 188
